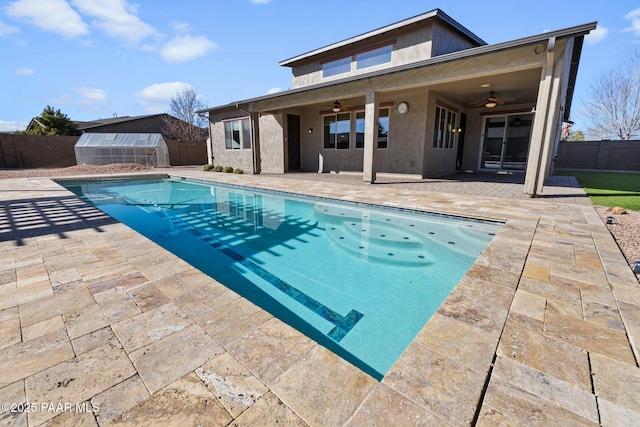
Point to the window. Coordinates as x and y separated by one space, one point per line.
336 67
373 57
445 128
237 134
363 59
336 131
383 128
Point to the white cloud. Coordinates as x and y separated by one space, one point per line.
260 1
88 98
7 29
117 18
597 35
8 126
185 48
181 27
55 16
24 71
274 90
155 98
634 17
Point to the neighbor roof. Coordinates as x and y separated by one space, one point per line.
102 122
436 13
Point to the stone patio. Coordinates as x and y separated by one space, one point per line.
101 326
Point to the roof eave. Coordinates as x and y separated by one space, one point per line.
577 31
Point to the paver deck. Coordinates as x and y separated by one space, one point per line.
101 326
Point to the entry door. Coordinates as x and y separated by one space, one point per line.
506 141
293 138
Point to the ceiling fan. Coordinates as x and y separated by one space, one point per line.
492 101
337 106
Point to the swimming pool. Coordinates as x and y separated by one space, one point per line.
358 279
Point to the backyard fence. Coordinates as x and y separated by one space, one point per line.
602 155
34 151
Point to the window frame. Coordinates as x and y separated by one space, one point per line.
336 122
244 134
355 125
444 130
337 65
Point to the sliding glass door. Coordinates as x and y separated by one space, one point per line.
506 141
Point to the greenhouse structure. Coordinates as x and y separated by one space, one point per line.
147 149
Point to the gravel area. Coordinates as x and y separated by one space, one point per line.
73 170
625 228
626 231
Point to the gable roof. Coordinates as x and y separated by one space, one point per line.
435 13
578 32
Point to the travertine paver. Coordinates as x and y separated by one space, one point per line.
187 401
541 330
77 380
232 384
186 350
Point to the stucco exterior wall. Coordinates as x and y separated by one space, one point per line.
409 46
445 40
271 143
405 141
242 159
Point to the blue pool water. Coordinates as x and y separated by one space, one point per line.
358 279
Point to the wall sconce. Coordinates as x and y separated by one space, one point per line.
310 131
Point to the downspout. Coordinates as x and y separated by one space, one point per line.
209 141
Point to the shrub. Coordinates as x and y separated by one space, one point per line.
208 167
227 169
217 169
238 170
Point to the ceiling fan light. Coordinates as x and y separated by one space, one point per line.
490 104
336 107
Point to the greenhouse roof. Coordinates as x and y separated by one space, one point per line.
120 140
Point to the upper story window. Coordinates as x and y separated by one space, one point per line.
373 57
366 58
237 134
336 67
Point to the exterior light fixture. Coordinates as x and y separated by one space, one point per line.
336 107
609 220
310 130
490 104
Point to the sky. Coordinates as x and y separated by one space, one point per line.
96 59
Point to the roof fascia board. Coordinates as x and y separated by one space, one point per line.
436 13
576 31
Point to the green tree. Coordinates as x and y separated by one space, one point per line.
52 122
576 135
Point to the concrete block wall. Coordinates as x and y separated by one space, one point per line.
602 155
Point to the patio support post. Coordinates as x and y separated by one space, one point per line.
561 75
370 137
255 141
540 124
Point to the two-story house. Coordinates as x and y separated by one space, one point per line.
422 97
